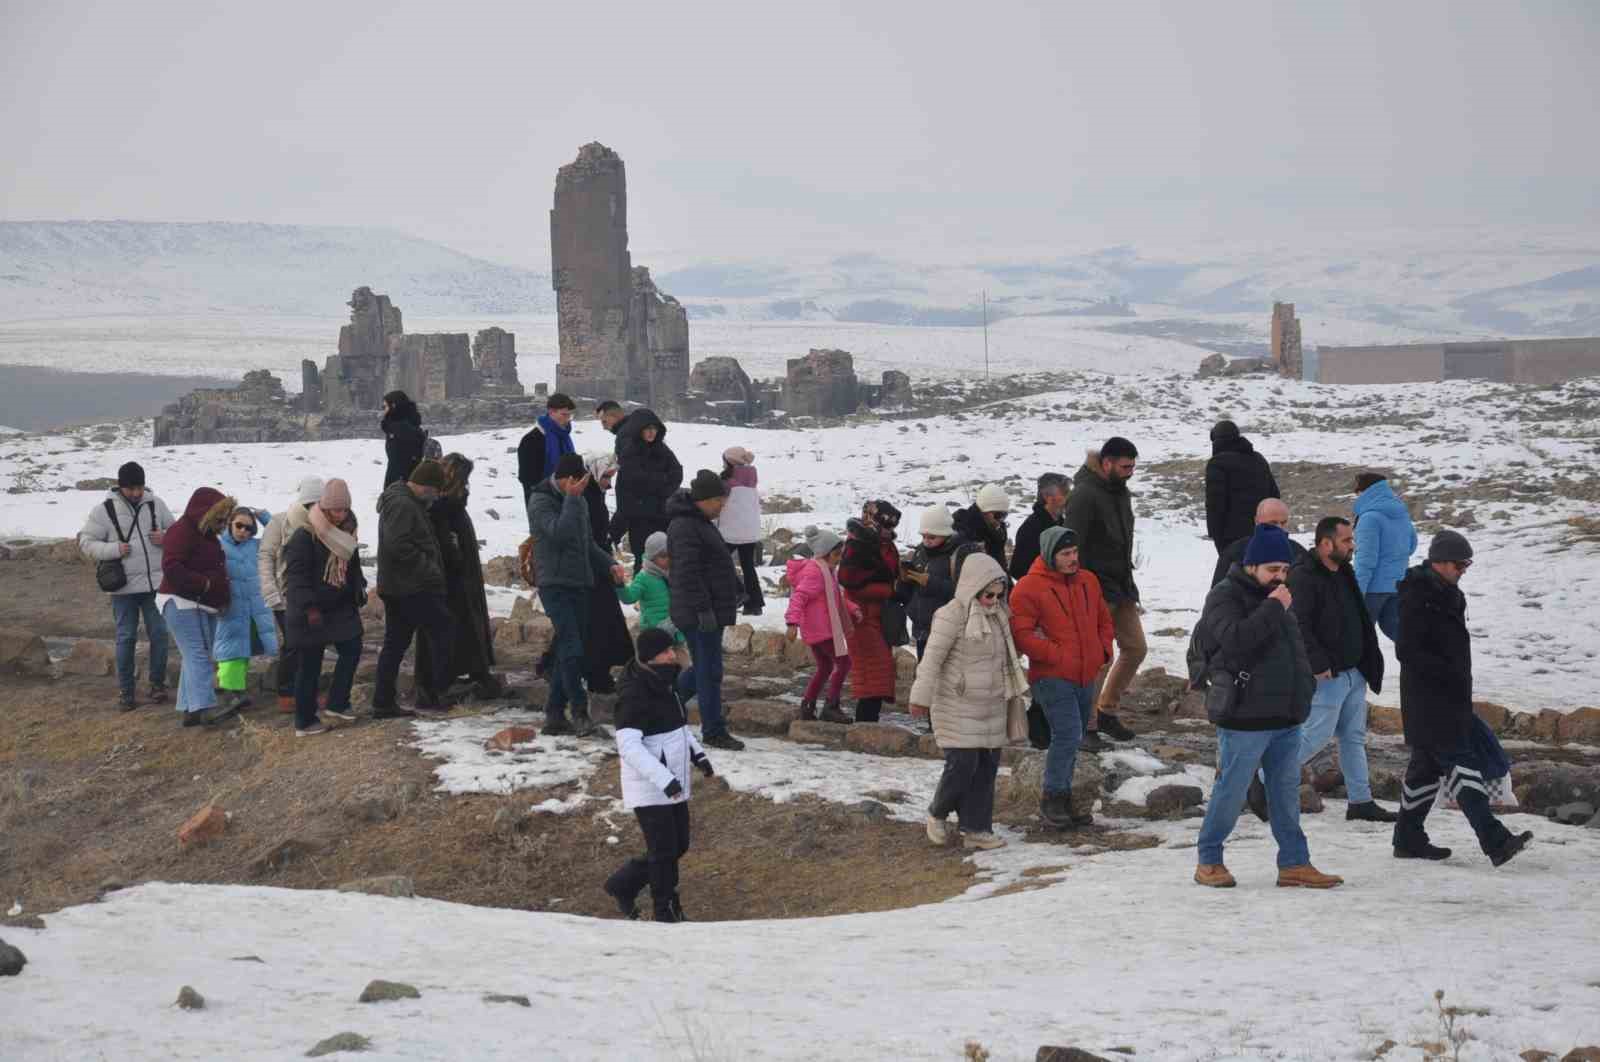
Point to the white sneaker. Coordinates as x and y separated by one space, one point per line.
311 731
984 841
343 714
938 831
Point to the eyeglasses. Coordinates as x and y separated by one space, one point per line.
1462 566
990 595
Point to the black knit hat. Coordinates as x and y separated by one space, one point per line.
651 643
428 473
130 475
569 466
1449 546
707 485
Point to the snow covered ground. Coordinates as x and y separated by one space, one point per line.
1121 951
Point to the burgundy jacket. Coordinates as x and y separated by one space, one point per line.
192 564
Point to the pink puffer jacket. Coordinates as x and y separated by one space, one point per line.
808 605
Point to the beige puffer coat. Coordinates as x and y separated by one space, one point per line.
962 679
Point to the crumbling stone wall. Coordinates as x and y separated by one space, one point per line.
494 358
821 384
658 360
592 273
257 410
1286 353
431 367
310 387
896 392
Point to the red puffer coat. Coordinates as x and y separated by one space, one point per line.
868 573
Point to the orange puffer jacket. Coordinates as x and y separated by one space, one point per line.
1061 623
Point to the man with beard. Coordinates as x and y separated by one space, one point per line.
1342 645
1100 513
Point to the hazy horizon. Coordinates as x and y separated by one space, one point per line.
892 129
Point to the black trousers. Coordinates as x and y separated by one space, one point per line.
288 659
868 709
967 788
1460 771
752 582
639 529
666 839
402 616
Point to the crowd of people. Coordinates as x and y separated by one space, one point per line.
1032 637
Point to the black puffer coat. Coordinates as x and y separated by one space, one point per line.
1026 548
1242 629
305 588
1234 554
403 441
1237 479
647 473
923 601
971 526
1435 651
1320 598
704 578
1102 515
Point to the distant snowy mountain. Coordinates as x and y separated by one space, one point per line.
77 269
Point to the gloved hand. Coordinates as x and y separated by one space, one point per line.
314 617
674 789
705 767
706 622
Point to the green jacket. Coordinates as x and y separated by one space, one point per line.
409 561
1102 515
654 597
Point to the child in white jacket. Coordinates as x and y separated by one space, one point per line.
657 750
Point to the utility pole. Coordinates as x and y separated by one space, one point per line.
986 334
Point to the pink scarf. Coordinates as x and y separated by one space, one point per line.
838 618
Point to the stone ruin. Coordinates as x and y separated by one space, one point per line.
821 384
255 411
620 337
1286 354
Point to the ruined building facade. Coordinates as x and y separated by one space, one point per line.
620 337
1286 353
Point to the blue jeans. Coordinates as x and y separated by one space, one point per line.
568 609
195 631
1340 707
1385 610
704 679
1239 753
1067 706
126 610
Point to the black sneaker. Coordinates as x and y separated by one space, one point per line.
625 904
1093 742
194 718
1369 811
242 702
555 723
582 724
665 913
1422 851
719 741
127 703
677 909
1112 728
1255 798
218 713
1056 809
392 711
1514 844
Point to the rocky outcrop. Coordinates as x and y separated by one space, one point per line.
821 384
255 411
434 367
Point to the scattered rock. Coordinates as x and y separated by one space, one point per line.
1581 726
760 716
1542 785
495 997
1174 799
1210 365
207 824
372 802
815 732
766 643
23 653
1382 1049
1497 716
797 654
381 991
502 571
1383 720
511 737
398 885
1327 780
736 639
871 809
905 665
1310 801
109 886
345 1041
1533 1054
1048 1053
1026 782
189 999
11 960
249 958
91 657
889 796
881 739
1582 1054
1576 813
103 483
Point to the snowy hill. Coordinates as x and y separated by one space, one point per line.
78 269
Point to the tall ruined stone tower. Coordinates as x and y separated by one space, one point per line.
620 337
1286 353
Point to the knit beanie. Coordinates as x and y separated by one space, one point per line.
130 475
569 466
1449 546
655 545
994 499
1224 429
823 543
936 521
1053 540
738 455
1268 545
707 485
335 495
431 473
309 492
651 643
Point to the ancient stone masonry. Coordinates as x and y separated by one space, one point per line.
722 385
1286 354
431 368
821 384
620 337
255 411
494 357
376 357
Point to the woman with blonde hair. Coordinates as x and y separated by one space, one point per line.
972 682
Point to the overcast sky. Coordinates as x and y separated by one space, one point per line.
751 130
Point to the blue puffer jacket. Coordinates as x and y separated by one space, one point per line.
245 603
1385 539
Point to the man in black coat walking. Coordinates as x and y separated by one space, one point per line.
1342 645
648 473
707 591
1237 478
1435 651
1270 511
1049 508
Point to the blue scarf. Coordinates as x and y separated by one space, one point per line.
557 441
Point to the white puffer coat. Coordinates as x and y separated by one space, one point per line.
99 540
740 522
962 679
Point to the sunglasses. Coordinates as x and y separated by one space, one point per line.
243 526
1462 566
990 595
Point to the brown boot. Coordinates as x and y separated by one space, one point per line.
1306 876
831 714
808 708
1213 875
286 705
